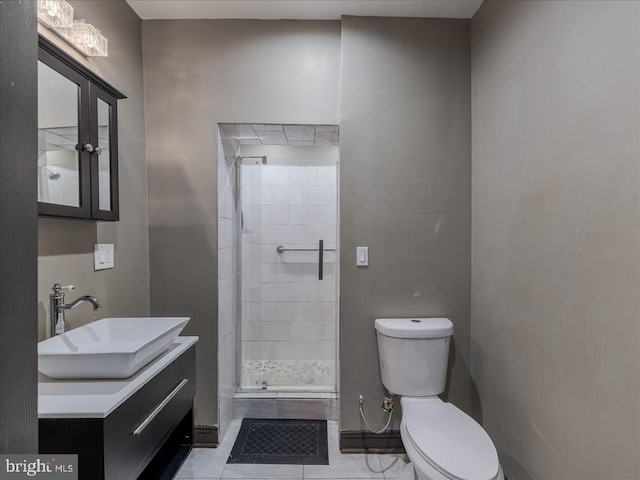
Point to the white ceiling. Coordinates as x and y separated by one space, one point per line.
301 9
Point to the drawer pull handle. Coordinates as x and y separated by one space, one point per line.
160 406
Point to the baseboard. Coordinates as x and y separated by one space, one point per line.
353 441
205 436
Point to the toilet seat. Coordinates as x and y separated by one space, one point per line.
449 440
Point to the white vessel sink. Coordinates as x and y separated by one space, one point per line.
108 348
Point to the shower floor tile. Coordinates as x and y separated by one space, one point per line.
286 373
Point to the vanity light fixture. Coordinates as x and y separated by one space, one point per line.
86 38
57 15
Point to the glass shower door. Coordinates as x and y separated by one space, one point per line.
288 294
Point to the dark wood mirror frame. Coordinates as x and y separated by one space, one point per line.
91 88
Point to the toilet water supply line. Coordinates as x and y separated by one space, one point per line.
387 406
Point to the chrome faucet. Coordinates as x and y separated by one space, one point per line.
58 306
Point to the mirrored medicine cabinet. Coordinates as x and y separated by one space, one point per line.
77 139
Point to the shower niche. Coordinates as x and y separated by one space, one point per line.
281 206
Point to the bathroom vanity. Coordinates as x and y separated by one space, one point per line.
123 429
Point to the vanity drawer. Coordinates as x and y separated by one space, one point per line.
136 430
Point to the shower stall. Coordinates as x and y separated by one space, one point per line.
286 229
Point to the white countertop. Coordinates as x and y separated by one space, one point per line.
98 398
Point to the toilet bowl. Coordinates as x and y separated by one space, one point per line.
441 441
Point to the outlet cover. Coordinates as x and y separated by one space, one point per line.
103 256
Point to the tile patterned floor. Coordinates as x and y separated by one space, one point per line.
211 464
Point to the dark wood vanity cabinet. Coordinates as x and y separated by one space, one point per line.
126 445
77 139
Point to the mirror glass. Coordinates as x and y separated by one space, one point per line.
58 159
104 177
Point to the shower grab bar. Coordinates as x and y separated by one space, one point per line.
281 249
320 250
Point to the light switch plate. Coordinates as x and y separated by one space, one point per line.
362 256
103 256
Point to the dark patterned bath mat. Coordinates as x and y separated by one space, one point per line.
292 442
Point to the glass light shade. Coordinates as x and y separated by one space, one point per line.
55 13
86 38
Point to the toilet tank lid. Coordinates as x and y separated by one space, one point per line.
414 327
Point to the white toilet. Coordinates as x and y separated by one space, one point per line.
441 441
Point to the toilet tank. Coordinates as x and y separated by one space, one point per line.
414 353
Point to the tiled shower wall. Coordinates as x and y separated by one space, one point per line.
228 278
65 190
288 314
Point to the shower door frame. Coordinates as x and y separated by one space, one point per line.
258 392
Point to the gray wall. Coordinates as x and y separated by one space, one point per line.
18 227
404 192
199 73
555 272
65 247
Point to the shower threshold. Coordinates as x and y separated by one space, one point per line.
276 403
311 389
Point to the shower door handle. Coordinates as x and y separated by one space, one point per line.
320 258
